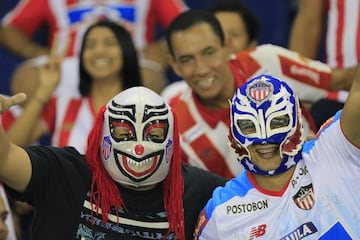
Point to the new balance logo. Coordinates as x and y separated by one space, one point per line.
257 232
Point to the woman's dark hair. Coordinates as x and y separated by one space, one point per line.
130 73
189 19
252 24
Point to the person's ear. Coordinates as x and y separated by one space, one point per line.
252 44
228 46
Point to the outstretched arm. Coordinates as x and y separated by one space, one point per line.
27 128
153 66
342 78
351 112
307 29
15 166
20 44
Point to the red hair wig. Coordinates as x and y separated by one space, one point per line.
104 193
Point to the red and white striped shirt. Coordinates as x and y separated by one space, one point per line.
203 136
8 117
70 17
69 121
343 33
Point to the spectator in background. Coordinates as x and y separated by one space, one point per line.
339 22
108 65
8 225
199 53
274 27
240 25
241 29
339 19
68 20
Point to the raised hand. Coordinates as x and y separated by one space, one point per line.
50 73
7 102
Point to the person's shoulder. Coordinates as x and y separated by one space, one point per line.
173 91
196 174
180 103
199 183
239 186
269 47
272 50
65 153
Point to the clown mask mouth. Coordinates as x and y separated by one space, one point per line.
138 169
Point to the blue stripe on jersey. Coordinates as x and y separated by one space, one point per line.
337 232
78 14
232 189
308 146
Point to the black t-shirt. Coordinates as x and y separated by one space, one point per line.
59 192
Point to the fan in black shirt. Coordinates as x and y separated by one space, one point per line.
129 185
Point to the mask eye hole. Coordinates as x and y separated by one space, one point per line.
156 131
122 131
279 122
246 126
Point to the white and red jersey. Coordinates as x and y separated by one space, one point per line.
321 200
204 131
8 117
203 136
343 33
71 17
310 79
69 121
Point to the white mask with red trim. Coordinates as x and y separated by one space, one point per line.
137 142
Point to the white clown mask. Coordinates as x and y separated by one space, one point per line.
137 142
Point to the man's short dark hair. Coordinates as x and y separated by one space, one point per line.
189 19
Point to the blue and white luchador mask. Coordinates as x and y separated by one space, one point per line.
265 111
137 142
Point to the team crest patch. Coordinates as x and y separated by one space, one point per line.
169 150
304 198
106 149
260 90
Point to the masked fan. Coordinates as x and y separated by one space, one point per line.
129 185
290 189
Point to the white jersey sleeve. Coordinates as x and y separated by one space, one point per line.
305 76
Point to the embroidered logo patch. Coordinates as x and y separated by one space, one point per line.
304 198
106 147
169 150
260 90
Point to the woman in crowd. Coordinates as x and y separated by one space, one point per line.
108 65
